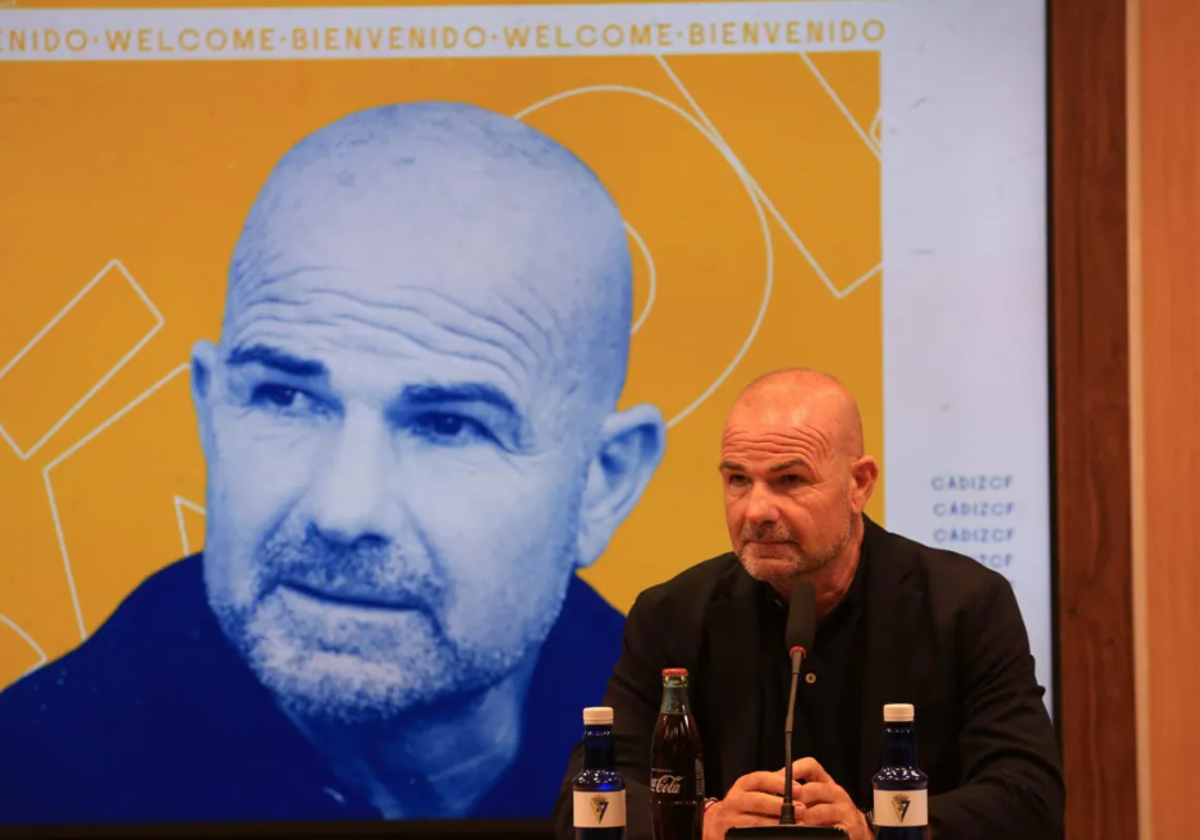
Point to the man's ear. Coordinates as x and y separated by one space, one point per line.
863 474
204 368
631 446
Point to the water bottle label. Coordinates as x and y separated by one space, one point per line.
599 808
900 808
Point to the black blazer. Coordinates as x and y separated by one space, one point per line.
942 632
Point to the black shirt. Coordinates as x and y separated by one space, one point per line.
829 695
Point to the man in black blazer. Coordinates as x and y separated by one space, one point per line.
898 623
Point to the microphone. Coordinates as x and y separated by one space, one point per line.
801 630
799 634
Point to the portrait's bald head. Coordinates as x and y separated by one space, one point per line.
410 418
485 219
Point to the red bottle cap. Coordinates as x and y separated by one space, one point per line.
675 672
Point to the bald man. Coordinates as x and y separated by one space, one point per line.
897 623
412 442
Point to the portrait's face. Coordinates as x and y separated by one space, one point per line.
790 497
396 463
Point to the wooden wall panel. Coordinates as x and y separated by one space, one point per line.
1092 447
1167 286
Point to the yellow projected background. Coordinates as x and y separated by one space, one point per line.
751 186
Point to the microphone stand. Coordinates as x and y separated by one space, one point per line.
787 827
788 815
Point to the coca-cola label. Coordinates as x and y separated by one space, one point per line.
671 785
668 784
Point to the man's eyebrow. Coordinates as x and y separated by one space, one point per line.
432 395
790 463
733 466
273 357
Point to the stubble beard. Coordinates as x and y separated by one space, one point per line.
324 663
807 560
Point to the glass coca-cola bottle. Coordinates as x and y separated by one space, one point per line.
676 765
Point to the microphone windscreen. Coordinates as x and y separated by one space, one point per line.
802 617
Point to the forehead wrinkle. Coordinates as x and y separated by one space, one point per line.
585 304
584 299
248 287
776 441
448 326
534 324
441 351
429 344
494 320
592 325
451 328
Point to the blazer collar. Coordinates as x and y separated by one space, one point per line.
731 635
892 610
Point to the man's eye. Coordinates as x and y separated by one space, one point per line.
449 428
278 395
738 480
284 399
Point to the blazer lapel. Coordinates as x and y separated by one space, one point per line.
893 606
732 640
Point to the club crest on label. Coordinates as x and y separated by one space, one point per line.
901 802
599 806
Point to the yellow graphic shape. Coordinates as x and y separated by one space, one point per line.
190 517
814 165
19 653
117 537
851 77
675 187
156 165
645 286
66 360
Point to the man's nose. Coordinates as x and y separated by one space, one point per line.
349 498
761 506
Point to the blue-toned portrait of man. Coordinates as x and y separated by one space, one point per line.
413 443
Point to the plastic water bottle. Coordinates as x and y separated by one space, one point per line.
901 809
599 790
